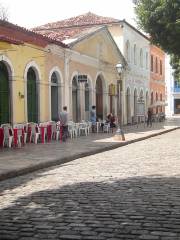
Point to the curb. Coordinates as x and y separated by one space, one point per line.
55 162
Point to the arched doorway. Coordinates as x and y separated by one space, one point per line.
135 105
4 94
99 98
32 99
128 105
54 97
87 100
75 99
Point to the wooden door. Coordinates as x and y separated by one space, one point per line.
4 94
32 96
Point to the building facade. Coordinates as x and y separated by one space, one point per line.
157 80
134 46
39 75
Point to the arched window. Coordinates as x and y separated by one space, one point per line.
161 97
160 67
156 97
128 51
135 54
152 63
156 65
152 98
141 57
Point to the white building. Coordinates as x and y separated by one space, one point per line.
136 83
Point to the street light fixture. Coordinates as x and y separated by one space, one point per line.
119 133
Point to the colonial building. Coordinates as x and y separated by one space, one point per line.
39 74
94 55
134 47
157 80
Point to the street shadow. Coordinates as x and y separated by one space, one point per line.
132 208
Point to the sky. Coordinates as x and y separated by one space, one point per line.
38 12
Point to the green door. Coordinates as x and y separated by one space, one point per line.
32 96
54 97
4 94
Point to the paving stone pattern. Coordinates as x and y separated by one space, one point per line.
132 192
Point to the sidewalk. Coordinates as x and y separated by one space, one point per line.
31 157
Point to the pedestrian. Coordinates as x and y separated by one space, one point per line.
149 118
93 118
63 118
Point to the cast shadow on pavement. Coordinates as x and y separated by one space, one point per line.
132 208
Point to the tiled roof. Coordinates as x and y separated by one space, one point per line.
71 27
20 34
10 40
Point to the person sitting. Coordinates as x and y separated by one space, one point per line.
111 120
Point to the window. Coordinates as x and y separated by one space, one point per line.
156 97
141 57
160 67
128 51
161 97
135 54
152 61
152 98
54 78
156 65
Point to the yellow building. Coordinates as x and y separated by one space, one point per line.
23 75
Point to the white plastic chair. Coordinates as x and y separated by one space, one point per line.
34 136
83 128
19 128
72 129
106 127
8 139
55 131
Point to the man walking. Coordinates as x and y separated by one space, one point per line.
63 118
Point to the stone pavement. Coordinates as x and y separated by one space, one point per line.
31 157
128 193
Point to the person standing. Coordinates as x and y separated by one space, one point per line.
93 118
149 117
63 118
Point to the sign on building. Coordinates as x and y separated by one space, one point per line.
140 108
112 89
82 78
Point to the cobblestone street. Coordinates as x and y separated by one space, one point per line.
132 192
